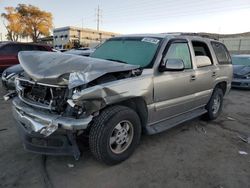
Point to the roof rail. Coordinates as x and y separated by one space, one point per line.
204 35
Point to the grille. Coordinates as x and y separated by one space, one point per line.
43 96
240 76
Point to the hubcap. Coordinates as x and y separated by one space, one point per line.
216 104
121 137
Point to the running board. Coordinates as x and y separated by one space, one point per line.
172 122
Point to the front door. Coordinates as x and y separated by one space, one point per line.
174 90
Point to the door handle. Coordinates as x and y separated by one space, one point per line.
192 77
214 74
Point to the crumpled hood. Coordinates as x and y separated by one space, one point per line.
62 69
241 70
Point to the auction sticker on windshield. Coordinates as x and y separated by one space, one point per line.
150 40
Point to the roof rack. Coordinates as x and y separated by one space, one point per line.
204 35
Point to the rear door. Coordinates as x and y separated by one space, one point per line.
204 76
8 55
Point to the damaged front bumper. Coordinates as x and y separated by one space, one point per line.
47 133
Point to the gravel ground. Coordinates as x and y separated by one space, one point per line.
194 154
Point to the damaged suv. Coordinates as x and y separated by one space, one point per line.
130 85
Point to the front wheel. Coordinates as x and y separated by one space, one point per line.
214 105
114 134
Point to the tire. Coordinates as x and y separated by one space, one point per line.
212 111
107 126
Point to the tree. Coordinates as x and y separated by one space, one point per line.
36 21
14 26
27 20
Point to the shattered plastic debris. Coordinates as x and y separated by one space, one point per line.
71 165
243 153
200 129
231 119
245 138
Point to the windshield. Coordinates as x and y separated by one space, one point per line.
241 60
131 50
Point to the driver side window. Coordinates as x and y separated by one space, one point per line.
180 51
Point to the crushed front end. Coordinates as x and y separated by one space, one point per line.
46 123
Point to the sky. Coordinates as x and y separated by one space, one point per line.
146 16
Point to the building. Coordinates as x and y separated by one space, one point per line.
68 37
237 45
46 40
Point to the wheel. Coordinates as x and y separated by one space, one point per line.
214 105
114 134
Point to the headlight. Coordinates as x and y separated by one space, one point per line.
10 76
76 79
4 74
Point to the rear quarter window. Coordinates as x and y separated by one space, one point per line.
10 49
221 53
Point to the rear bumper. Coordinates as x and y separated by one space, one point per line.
241 83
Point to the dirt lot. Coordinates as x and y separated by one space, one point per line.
195 154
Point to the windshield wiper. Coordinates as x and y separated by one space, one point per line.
117 60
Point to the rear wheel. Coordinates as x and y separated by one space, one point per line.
214 105
114 134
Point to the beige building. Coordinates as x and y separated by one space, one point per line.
65 37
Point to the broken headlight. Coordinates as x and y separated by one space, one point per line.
76 79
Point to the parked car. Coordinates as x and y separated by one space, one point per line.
81 51
241 71
131 85
9 51
8 58
9 75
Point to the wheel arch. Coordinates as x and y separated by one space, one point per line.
222 85
139 105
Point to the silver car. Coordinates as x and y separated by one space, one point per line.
241 71
130 85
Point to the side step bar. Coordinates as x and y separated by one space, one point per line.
172 122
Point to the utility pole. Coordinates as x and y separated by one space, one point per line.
98 15
98 19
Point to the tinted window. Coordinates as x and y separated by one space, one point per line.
201 49
10 49
180 51
221 53
41 48
27 48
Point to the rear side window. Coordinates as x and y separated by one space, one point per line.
10 49
41 48
201 49
33 47
27 48
221 53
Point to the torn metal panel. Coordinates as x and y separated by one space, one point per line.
98 96
67 69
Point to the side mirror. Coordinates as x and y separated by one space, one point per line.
172 65
202 61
